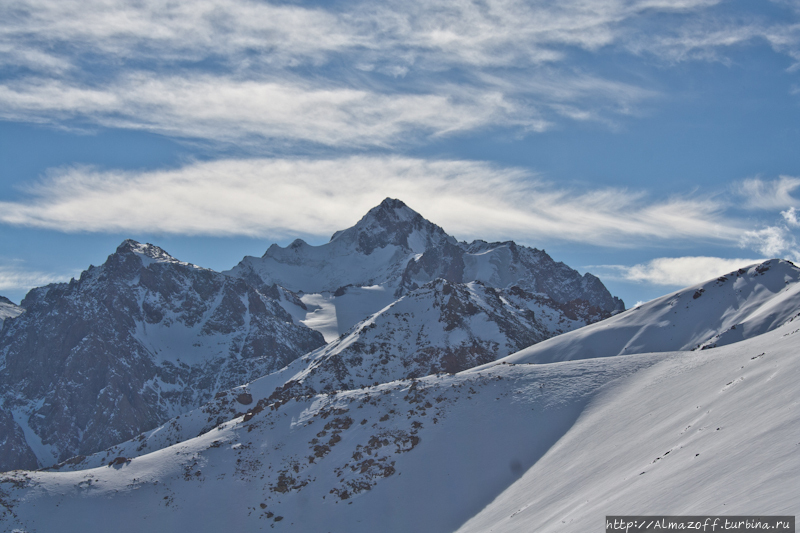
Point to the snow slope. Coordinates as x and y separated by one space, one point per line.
8 310
507 448
409 455
701 433
737 306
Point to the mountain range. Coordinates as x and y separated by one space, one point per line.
462 387
145 337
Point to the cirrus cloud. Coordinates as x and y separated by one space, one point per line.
769 194
674 271
285 197
229 110
349 74
15 278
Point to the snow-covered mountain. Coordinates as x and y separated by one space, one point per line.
129 345
8 309
764 299
439 327
686 405
506 447
733 307
393 250
145 337
375 251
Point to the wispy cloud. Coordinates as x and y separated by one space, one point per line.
166 32
225 109
775 238
284 197
431 33
250 112
769 194
772 241
348 74
674 271
15 278
790 216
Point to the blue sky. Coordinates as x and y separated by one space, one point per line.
652 142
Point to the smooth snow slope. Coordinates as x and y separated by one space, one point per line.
740 305
702 433
507 448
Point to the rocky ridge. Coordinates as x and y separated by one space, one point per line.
129 345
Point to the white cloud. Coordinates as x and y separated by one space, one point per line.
284 197
790 216
178 31
769 194
250 112
676 271
236 70
15 278
711 34
437 33
772 241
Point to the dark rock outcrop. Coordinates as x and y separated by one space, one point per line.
132 343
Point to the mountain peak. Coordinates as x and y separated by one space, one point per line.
389 211
392 222
146 252
392 209
391 203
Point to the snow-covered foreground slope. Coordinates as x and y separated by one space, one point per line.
504 448
411 455
737 306
701 433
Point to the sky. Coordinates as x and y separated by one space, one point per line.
654 143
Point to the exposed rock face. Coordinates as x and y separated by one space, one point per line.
132 343
506 265
14 450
